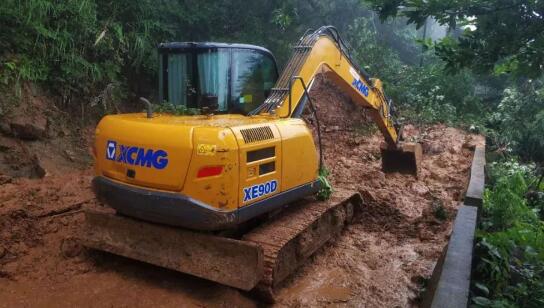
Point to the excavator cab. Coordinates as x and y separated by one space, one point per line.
222 78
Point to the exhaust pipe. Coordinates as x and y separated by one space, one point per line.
149 107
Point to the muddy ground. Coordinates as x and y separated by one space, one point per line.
383 260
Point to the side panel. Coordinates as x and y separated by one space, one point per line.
260 162
300 159
216 149
142 152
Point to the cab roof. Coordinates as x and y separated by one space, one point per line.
181 46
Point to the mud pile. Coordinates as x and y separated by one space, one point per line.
381 261
384 260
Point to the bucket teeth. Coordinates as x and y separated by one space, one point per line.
406 158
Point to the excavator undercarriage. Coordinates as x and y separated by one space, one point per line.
259 259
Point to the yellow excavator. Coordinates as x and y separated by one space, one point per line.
228 194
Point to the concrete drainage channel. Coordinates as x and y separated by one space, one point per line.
450 282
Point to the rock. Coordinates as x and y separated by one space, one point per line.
39 169
368 196
71 247
4 128
70 155
18 214
332 129
345 162
442 163
433 148
420 189
7 144
29 129
454 149
436 176
5 179
425 235
2 252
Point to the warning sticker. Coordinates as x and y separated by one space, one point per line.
206 149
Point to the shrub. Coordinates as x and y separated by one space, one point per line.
509 267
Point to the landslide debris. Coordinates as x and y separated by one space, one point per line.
385 258
37 139
380 261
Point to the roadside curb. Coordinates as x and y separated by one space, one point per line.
475 190
449 285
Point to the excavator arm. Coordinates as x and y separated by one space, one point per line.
324 52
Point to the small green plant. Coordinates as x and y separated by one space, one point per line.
176 109
439 211
326 190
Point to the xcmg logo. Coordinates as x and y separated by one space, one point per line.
360 86
136 156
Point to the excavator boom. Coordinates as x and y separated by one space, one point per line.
324 52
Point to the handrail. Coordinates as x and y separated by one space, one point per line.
312 108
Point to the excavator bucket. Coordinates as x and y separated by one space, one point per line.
405 158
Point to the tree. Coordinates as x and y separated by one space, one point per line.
500 36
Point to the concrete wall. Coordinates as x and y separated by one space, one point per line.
450 283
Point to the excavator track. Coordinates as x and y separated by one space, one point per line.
260 260
297 233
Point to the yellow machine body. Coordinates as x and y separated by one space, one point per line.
213 172
226 162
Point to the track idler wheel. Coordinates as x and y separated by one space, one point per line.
405 158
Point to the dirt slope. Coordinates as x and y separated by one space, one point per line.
379 262
383 260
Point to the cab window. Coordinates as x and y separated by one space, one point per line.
224 80
213 68
253 75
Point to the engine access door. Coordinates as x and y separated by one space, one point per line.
260 162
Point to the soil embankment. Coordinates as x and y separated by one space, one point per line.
380 261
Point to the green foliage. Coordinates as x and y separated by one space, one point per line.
506 169
326 190
439 211
77 48
500 36
505 205
488 37
80 49
175 109
425 94
510 248
518 121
